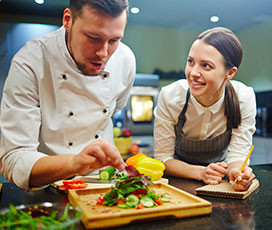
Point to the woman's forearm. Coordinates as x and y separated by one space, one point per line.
181 169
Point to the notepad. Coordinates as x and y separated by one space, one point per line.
224 189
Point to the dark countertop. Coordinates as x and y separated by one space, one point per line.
251 213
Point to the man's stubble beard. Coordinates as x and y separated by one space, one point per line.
80 66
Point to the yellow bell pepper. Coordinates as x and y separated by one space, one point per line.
150 167
133 160
154 174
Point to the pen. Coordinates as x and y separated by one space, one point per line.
248 155
244 164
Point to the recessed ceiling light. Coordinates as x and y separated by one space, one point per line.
135 10
214 18
39 1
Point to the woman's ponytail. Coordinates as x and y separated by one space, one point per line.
232 106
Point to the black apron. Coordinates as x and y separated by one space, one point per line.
199 152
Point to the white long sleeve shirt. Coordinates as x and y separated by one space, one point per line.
202 122
49 107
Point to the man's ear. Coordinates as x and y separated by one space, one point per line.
231 73
67 19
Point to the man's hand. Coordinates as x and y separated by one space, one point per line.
96 155
241 181
214 173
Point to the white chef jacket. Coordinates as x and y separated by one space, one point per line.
49 107
202 122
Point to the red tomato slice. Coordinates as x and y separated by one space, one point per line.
84 185
76 186
158 202
140 206
63 188
73 181
121 201
100 200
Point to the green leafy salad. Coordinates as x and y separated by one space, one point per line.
132 191
33 218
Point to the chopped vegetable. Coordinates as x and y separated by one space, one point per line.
121 201
100 200
107 173
140 206
73 181
159 202
73 184
132 201
131 191
147 201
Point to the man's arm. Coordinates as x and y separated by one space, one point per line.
20 121
96 155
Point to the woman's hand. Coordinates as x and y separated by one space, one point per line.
214 173
241 181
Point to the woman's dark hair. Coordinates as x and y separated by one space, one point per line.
225 41
111 7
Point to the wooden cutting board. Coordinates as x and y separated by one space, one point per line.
182 204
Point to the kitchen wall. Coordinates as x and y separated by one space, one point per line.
161 48
156 47
12 38
167 49
256 68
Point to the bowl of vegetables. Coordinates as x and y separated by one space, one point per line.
46 216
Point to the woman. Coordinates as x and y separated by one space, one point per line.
204 125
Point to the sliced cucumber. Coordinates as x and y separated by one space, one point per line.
147 202
165 200
123 206
132 201
107 173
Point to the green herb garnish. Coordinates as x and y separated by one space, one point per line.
130 191
34 218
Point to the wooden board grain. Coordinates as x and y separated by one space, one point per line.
182 204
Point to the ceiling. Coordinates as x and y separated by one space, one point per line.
181 14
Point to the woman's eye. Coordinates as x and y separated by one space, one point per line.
207 66
190 61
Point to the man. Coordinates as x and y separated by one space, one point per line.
60 94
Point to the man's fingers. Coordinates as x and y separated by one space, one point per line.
97 152
113 154
101 153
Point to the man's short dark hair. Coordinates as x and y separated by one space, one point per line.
111 7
